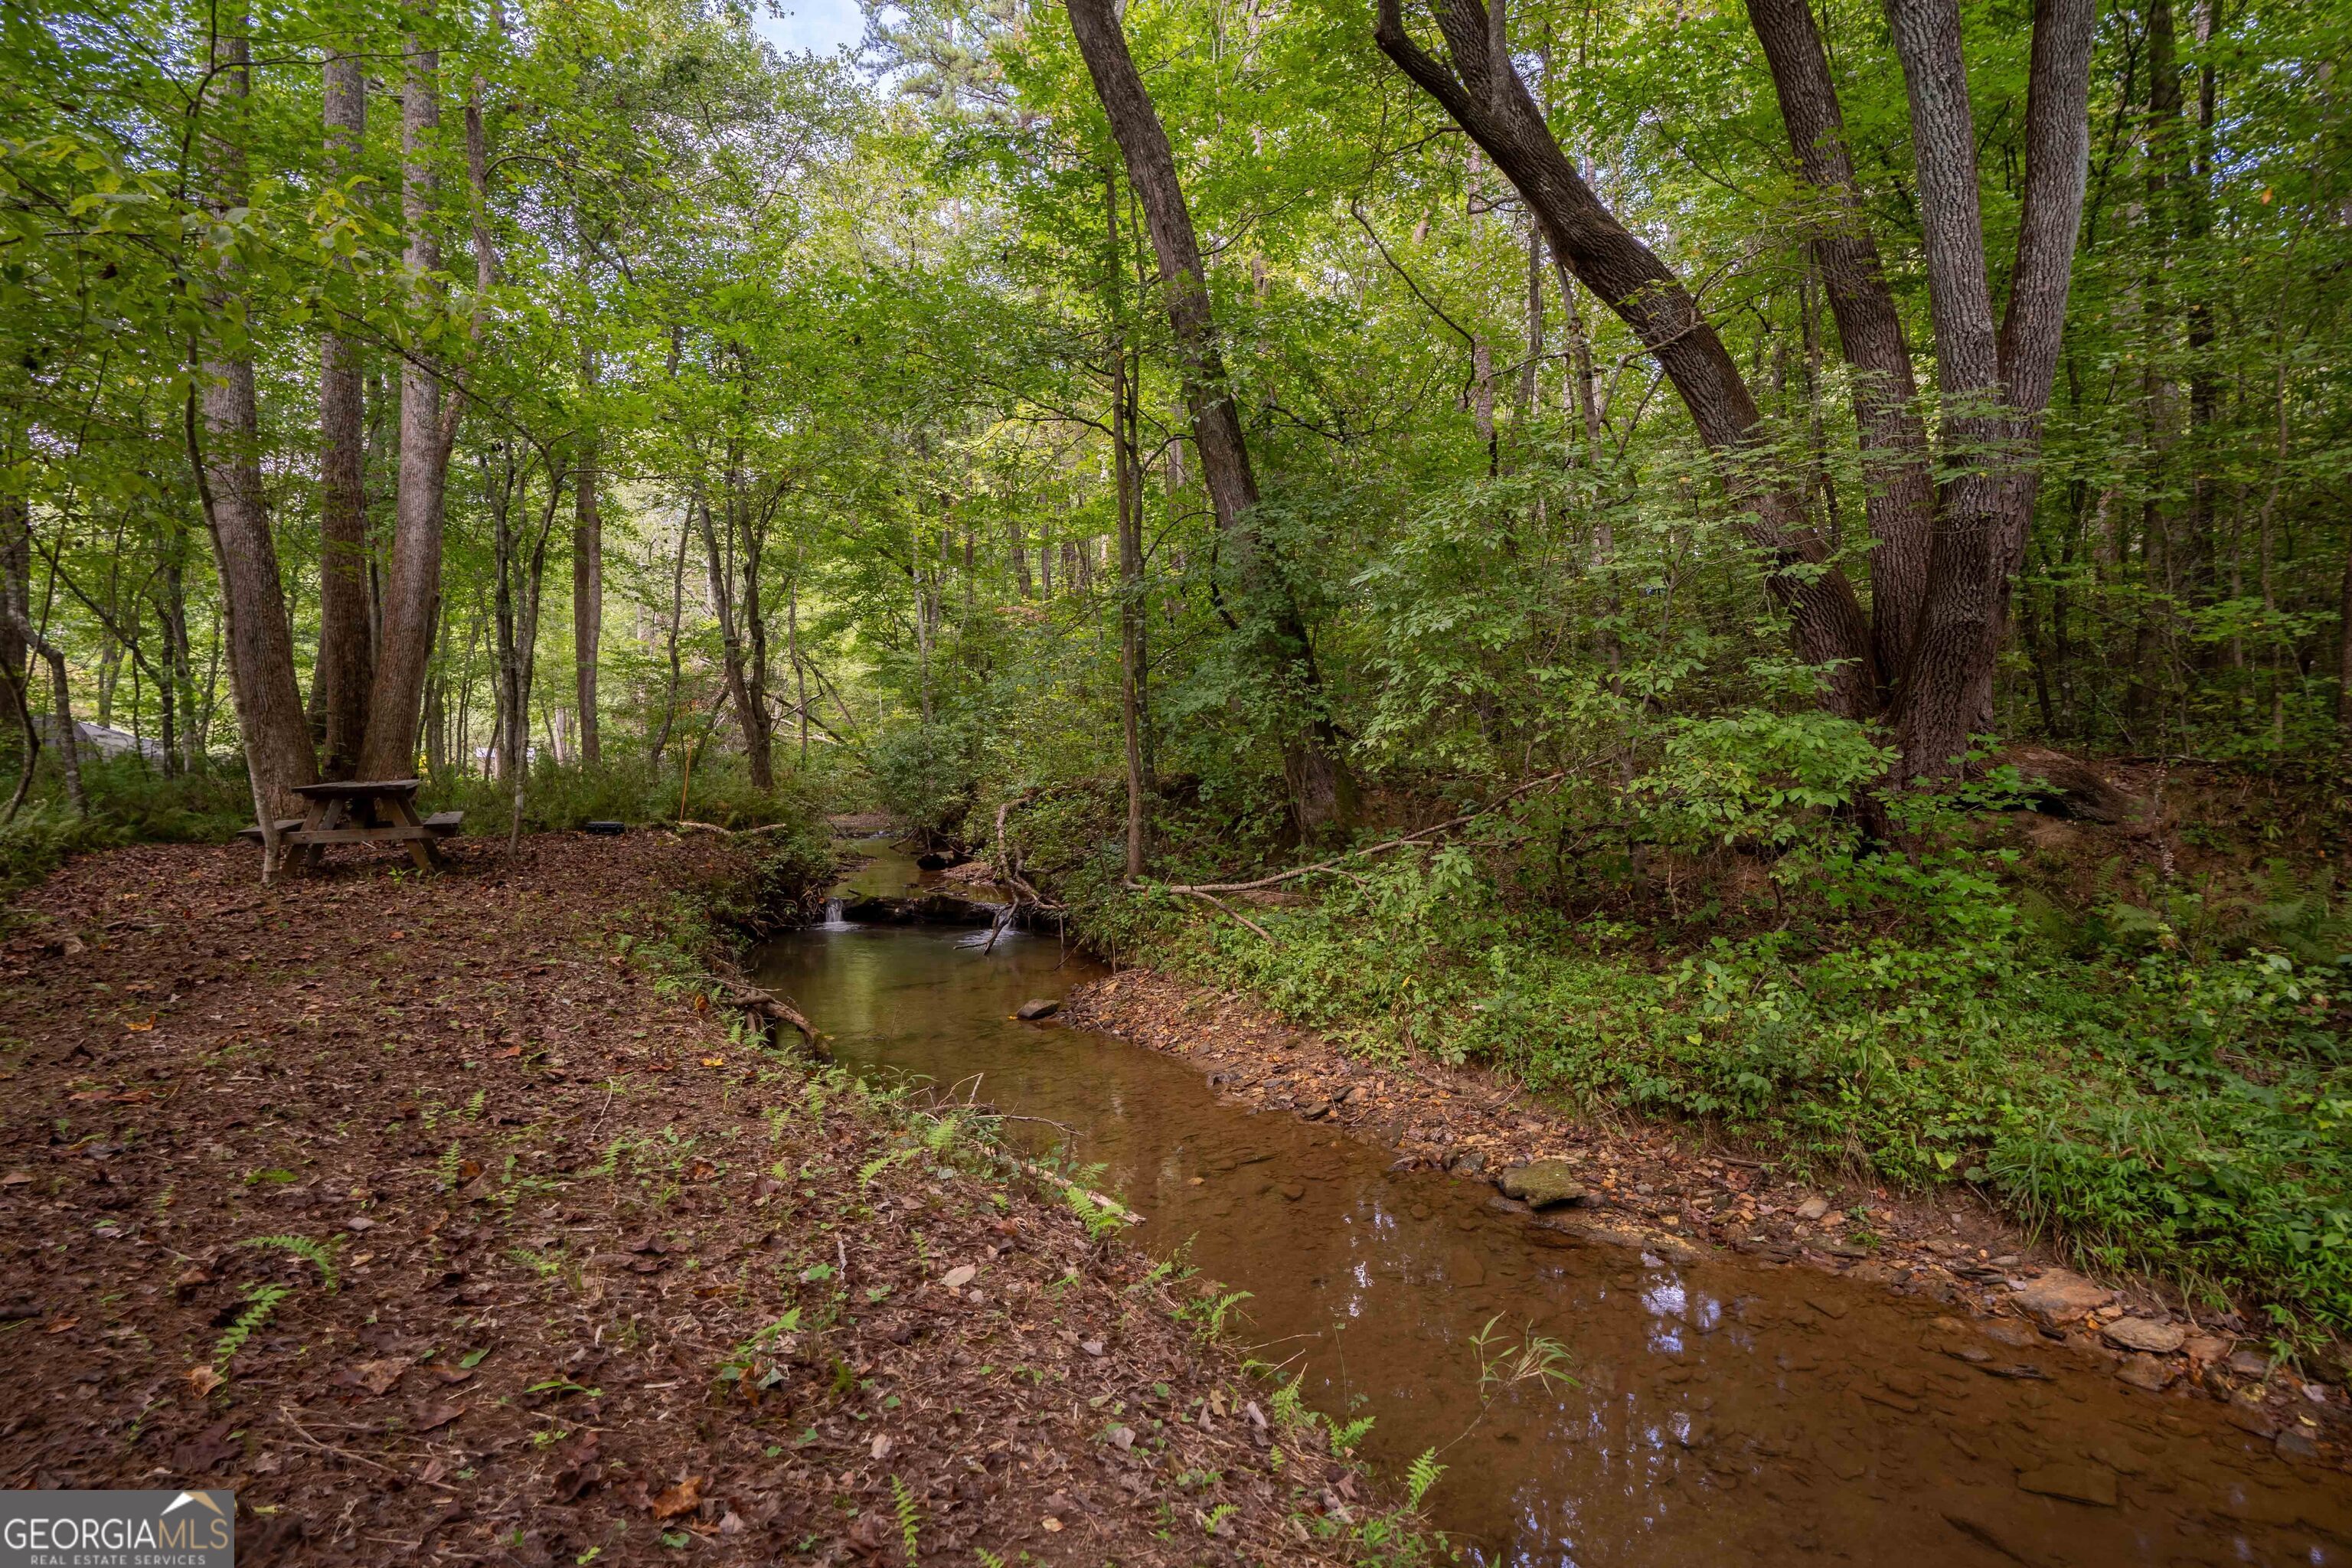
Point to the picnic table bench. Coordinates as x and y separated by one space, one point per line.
361 811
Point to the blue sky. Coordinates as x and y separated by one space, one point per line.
823 26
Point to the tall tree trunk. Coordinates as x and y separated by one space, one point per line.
1131 537
676 623
1483 92
1899 496
226 455
414 582
1995 385
731 640
346 662
16 574
587 579
1323 792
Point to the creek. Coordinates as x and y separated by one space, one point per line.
1719 1412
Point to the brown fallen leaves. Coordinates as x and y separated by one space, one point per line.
683 1498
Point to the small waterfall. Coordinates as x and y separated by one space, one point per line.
832 921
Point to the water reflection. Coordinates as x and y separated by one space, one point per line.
1721 1413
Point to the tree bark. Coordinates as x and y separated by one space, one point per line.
1323 792
1899 496
1483 92
414 582
587 598
226 455
1131 536
1995 385
346 662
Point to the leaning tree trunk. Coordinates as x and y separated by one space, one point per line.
414 582
346 663
226 455
1322 789
1899 495
1482 90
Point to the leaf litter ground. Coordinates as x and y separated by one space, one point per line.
444 1218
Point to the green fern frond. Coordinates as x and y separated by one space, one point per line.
308 1251
911 1519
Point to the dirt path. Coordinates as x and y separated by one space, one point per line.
1646 1187
445 1219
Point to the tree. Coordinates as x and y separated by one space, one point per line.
226 455
1483 93
1322 790
346 655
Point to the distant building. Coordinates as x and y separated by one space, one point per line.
102 740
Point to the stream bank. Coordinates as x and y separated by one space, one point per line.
1624 1183
1600 1398
452 1219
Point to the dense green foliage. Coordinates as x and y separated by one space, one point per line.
839 346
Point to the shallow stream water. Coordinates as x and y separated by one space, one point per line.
1721 1413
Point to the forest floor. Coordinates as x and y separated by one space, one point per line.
446 1218
1625 1181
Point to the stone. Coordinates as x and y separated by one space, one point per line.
1547 1184
2251 1418
2062 1296
2145 1334
2206 1347
1812 1208
2146 1372
1469 1163
1949 1336
2292 1444
2249 1364
1037 1007
2091 1484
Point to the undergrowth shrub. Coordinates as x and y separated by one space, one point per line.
2168 1080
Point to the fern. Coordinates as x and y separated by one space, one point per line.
940 1135
303 1247
259 1302
446 1169
874 1167
474 1106
1420 1476
1346 1437
989 1558
909 1520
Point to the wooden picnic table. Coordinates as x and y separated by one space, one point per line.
362 811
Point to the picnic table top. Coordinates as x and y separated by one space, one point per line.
354 788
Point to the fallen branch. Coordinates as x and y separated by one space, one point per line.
1211 898
1203 888
746 997
683 825
1107 1204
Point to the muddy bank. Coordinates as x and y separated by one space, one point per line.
1644 1190
446 1218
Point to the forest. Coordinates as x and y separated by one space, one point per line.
1782 570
